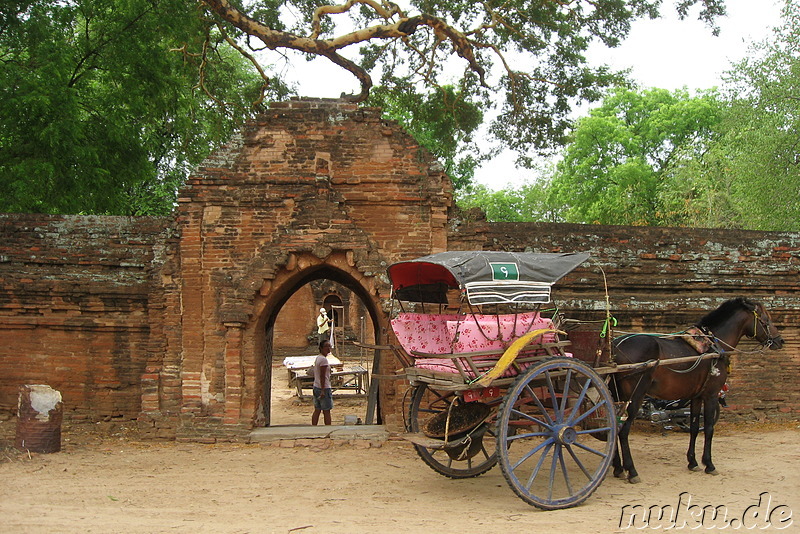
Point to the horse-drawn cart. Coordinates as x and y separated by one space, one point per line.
494 379
492 376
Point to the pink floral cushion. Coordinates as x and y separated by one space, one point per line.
450 333
494 332
423 332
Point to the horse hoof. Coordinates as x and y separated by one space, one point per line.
621 474
634 480
712 472
694 468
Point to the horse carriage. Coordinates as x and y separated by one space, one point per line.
495 377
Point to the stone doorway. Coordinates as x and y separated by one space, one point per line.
280 404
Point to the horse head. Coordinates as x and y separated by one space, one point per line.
762 328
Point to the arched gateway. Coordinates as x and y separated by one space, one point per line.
312 190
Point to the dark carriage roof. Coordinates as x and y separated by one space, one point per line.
487 277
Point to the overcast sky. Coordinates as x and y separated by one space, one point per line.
670 53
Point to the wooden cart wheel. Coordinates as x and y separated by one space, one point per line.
556 433
426 403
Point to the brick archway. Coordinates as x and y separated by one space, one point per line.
301 269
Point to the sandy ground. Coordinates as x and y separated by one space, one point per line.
106 479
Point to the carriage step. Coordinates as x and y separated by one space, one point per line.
430 443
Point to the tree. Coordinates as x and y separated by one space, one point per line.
748 177
617 168
102 108
756 158
527 202
524 56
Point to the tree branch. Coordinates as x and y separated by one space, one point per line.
380 10
330 48
252 60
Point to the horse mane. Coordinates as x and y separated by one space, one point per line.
725 310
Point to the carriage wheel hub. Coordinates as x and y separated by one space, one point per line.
566 435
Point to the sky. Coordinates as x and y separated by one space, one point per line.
669 53
666 53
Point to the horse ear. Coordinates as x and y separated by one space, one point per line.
749 305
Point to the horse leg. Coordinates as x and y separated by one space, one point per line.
694 429
709 410
619 472
626 464
623 460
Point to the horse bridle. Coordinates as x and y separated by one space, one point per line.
758 319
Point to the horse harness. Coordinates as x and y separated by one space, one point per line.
703 340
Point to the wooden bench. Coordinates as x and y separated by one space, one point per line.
297 365
354 378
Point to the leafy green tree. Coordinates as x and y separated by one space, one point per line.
750 178
528 202
617 167
103 110
108 103
525 59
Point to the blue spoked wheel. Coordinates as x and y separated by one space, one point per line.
556 433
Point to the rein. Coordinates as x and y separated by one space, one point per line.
684 371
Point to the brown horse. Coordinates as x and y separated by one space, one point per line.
699 380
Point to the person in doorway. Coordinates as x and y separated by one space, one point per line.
323 325
323 394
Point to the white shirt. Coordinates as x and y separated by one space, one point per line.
319 364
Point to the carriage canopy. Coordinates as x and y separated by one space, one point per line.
487 277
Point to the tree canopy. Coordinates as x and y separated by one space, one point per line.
616 167
109 103
103 111
751 175
721 158
528 202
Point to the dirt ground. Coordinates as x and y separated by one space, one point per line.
106 479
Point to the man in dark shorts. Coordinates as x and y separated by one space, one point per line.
323 395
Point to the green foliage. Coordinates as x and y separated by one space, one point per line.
102 111
616 169
521 61
748 177
660 158
528 202
107 104
760 141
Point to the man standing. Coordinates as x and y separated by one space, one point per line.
323 394
323 325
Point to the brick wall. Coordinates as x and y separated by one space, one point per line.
76 308
297 320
